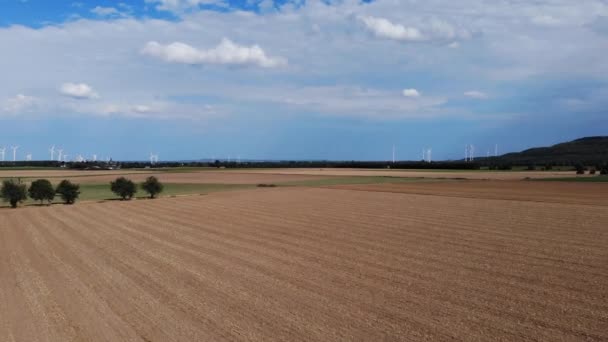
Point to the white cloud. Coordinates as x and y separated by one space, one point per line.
182 5
383 28
324 42
411 92
19 103
545 20
475 94
106 11
142 109
78 91
226 52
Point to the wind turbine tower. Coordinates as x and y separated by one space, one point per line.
14 148
393 154
28 157
52 150
496 150
3 152
59 155
94 157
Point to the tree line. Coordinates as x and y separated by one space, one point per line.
15 192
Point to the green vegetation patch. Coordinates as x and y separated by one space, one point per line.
596 179
355 180
102 192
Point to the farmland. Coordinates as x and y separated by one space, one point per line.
325 256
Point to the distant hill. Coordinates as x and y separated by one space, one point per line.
588 151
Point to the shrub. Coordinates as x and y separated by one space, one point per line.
68 191
266 185
124 188
592 171
152 186
604 170
42 190
13 192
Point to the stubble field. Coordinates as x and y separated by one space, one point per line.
310 264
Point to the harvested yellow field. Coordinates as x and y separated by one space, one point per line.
305 264
206 177
199 177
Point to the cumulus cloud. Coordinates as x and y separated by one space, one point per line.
412 93
324 42
383 28
78 91
475 94
226 52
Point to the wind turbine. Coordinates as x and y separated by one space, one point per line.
430 155
28 157
14 148
393 154
52 150
94 157
3 152
65 157
496 150
59 155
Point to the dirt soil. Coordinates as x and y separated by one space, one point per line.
492 175
305 264
556 192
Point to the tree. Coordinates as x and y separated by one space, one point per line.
580 169
68 191
42 190
152 186
123 187
13 192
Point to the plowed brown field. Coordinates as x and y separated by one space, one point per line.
556 192
479 175
304 264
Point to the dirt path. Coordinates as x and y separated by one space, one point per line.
305 265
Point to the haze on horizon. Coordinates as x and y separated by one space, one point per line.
295 79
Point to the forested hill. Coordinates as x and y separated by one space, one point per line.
588 151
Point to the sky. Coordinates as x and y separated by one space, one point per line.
299 79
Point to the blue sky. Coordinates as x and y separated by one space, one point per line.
312 79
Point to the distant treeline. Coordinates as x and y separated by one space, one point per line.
453 165
496 164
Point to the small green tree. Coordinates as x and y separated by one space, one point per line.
13 192
124 188
68 191
152 186
42 190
